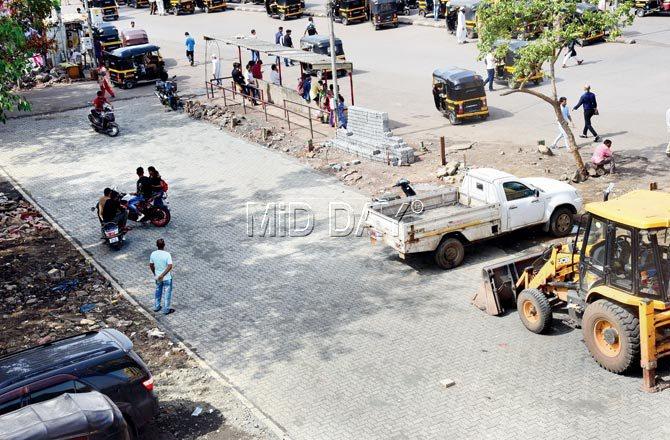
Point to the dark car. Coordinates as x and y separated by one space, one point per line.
99 360
90 416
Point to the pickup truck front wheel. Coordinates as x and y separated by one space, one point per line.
449 253
560 223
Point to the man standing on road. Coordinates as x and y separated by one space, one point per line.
461 30
287 41
588 101
255 55
190 47
565 114
216 69
310 29
490 61
436 9
152 7
160 264
278 37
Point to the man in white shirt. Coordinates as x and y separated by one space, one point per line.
274 75
490 61
565 114
160 264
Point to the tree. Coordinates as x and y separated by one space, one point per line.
548 25
19 18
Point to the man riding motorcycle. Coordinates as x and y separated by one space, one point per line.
113 212
142 193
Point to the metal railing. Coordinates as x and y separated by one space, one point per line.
258 95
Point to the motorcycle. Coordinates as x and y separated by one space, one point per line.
103 122
166 91
111 233
155 209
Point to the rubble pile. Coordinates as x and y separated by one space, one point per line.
40 78
18 218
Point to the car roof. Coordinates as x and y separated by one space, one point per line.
131 51
456 75
641 209
318 39
62 417
489 175
32 362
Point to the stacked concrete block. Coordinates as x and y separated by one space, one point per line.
368 135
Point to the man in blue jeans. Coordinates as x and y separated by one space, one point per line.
143 192
160 264
436 9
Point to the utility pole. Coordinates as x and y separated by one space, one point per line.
90 33
331 25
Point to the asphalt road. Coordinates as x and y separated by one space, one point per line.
393 73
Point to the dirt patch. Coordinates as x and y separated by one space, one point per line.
49 291
635 170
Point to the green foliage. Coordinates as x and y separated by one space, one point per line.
33 11
547 25
12 65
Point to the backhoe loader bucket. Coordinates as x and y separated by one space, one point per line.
497 293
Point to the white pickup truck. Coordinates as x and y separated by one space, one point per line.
489 203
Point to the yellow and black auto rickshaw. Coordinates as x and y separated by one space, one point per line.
107 36
506 69
211 5
109 8
459 94
128 66
350 11
470 11
384 13
178 7
426 8
284 9
648 7
582 11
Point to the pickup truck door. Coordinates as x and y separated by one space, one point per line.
524 207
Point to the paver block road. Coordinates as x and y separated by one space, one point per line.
333 339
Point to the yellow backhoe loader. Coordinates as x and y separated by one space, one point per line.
613 279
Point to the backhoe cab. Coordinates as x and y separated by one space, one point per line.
613 280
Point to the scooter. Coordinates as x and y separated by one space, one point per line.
103 122
154 210
111 233
166 91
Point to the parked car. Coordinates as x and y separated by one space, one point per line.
90 416
102 360
489 203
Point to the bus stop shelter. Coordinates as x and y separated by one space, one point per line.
309 61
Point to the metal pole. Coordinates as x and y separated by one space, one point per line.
331 26
94 59
443 158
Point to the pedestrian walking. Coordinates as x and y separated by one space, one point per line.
588 102
132 25
190 47
341 112
274 75
490 61
305 85
160 263
161 7
436 9
287 41
570 54
461 30
278 37
216 69
565 115
255 55
103 78
152 7
311 28
667 123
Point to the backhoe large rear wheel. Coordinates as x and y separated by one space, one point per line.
534 310
612 335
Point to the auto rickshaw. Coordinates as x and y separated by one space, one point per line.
595 34
459 94
134 37
108 36
649 7
384 13
128 66
110 10
470 11
211 5
177 7
348 11
505 70
426 7
284 9
137 3
405 6
320 44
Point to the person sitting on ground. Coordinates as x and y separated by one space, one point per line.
603 155
113 212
